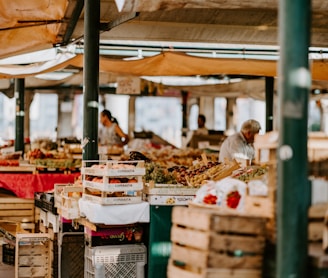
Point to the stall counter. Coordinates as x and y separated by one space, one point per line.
24 185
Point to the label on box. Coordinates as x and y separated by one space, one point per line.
112 200
114 235
168 200
159 189
114 186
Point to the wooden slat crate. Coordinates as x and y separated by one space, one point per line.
18 209
206 244
33 256
316 221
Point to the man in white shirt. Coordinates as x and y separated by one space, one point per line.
240 143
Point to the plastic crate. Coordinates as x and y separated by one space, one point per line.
70 255
68 225
48 203
8 254
38 197
124 261
54 258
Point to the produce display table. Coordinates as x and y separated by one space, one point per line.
114 214
24 185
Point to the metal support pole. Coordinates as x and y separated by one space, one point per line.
293 188
269 89
19 128
184 95
231 103
91 80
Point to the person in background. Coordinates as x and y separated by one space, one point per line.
202 130
111 134
240 143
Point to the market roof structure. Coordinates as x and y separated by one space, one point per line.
233 37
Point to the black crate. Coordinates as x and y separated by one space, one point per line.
54 263
8 254
49 206
38 197
66 227
48 202
71 255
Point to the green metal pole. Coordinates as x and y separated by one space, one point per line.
20 113
91 80
269 89
184 95
293 188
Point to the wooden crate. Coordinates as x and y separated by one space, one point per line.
108 198
266 147
33 256
207 244
316 221
18 209
9 229
183 272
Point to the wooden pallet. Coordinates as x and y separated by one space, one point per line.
206 244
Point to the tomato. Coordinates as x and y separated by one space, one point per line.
210 199
233 199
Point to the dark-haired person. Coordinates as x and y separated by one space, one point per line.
202 129
111 134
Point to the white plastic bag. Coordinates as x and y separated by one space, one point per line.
226 193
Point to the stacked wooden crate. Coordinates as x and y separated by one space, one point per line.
33 256
316 222
113 182
19 210
271 227
30 252
66 200
206 243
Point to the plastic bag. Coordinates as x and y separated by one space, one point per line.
226 193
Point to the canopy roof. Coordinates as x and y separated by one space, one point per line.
164 64
32 25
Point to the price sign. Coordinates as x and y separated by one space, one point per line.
128 86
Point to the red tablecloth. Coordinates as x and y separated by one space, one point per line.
24 185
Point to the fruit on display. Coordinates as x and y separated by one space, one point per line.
10 158
52 159
158 174
114 180
9 162
210 199
134 155
249 173
97 179
233 199
194 175
36 154
167 156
